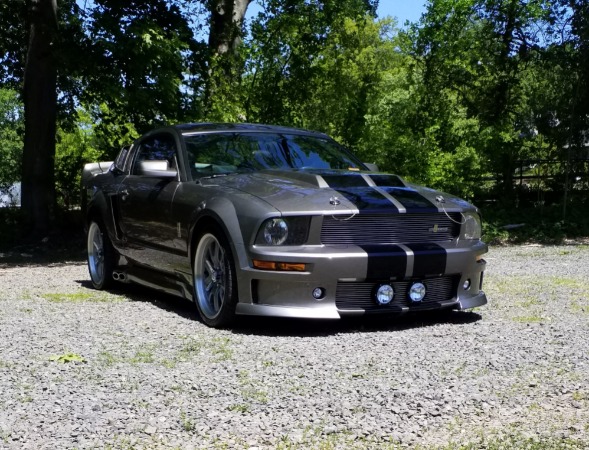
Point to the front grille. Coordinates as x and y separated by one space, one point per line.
360 295
407 228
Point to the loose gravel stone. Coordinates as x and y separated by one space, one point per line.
132 368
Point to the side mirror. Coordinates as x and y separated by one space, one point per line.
156 169
372 167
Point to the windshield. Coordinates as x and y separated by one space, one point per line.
219 153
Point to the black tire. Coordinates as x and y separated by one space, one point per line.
101 256
213 275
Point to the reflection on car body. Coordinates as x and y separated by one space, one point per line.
276 221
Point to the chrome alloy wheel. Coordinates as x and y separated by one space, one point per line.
211 280
96 256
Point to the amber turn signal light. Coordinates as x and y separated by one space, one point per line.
279 266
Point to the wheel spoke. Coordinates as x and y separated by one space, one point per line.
218 299
209 267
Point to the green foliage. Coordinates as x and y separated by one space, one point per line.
73 149
136 63
11 137
457 98
294 71
226 97
535 223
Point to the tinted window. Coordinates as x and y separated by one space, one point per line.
223 153
121 159
211 153
161 147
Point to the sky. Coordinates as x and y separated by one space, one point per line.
401 9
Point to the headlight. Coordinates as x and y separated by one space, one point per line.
283 231
471 228
275 232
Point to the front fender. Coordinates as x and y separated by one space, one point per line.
239 220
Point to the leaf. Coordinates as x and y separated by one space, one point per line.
67 358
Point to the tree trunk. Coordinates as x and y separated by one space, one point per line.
226 21
222 92
40 101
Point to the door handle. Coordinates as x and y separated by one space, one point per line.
124 194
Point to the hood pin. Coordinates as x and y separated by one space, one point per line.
334 201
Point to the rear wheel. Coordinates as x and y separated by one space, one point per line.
214 280
101 255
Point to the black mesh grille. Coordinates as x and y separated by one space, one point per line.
390 228
360 295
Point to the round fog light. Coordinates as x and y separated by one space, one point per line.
384 294
318 293
466 285
417 292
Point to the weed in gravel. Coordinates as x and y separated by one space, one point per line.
513 442
67 358
239 407
578 307
221 348
5 364
250 390
5 436
107 358
531 319
187 423
145 355
190 348
98 297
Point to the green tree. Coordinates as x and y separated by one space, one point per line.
285 63
474 56
11 135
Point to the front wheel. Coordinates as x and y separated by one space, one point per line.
214 280
101 255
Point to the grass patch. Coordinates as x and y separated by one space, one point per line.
318 439
78 297
531 319
535 292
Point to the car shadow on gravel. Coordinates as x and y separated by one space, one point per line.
137 293
56 249
279 326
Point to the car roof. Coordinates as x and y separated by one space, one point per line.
189 128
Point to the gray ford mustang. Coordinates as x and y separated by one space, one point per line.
275 221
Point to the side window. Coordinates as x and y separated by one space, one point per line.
121 158
156 152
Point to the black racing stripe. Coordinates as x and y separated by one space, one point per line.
387 180
368 199
355 188
345 181
430 259
411 199
385 261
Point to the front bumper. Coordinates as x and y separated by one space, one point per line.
348 276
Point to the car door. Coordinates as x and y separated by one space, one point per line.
145 201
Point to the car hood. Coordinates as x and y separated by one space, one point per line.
320 191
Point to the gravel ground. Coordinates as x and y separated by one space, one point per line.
132 369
